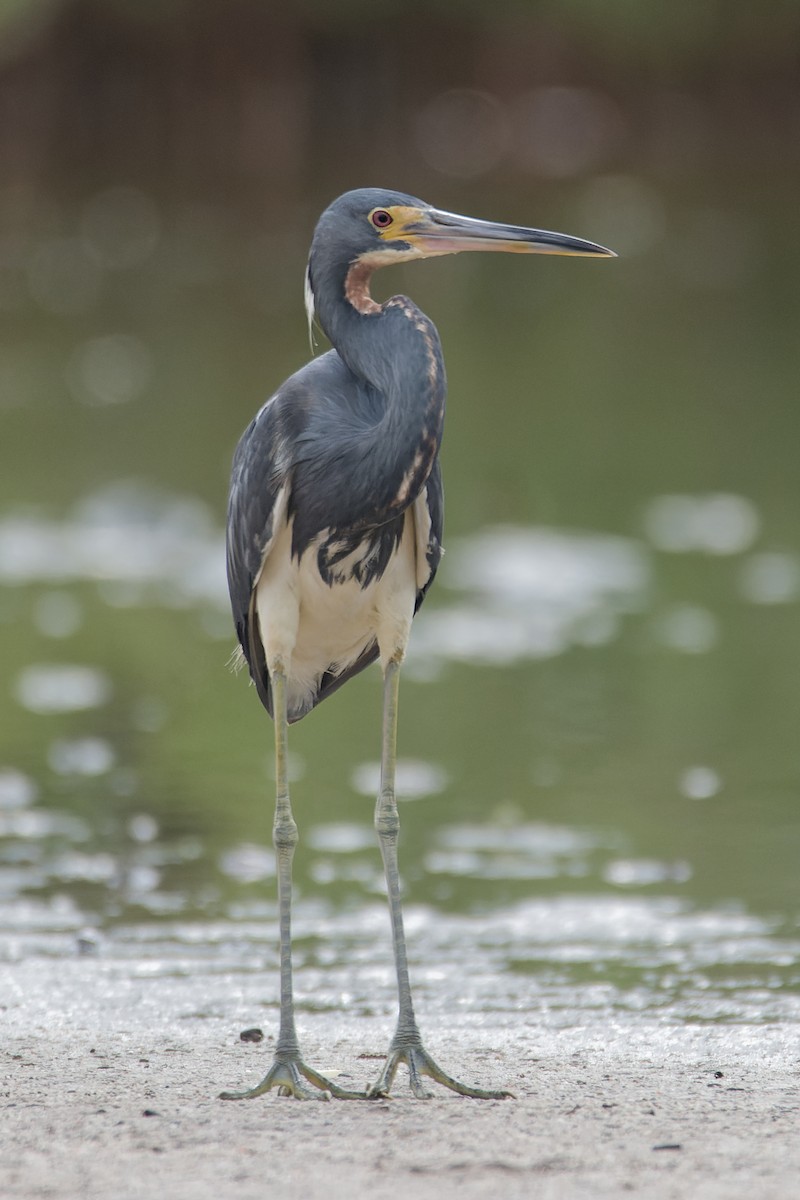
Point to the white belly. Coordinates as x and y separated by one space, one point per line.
309 627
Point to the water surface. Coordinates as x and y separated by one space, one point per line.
599 713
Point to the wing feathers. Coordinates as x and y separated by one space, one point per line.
276 472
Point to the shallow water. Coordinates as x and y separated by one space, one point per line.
599 714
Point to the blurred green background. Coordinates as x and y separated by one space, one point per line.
612 650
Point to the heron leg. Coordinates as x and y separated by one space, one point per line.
288 1069
406 1045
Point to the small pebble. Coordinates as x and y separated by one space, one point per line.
251 1035
86 943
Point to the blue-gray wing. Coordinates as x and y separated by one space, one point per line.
276 477
429 547
256 504
270 465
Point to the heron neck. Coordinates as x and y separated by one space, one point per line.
395 351
393 347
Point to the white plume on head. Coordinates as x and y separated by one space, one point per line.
308 294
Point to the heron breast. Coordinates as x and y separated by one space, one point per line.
359 556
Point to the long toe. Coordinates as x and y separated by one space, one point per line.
420 1063
285 1075
382 1086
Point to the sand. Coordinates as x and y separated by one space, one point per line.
135 1115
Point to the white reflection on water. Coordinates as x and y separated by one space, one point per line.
125 534
521 593
643 872
523 851
39 823
770 578
143 828
536 593
552 960
60 688
597 962
717 523
248 862
17 790
688 628
699 783
548 565
415 779
342 837
81 756
90 868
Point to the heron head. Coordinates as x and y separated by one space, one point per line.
373 227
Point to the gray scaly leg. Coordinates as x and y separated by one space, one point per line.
288 1069
406 1045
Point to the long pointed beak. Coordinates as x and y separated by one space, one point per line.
437 232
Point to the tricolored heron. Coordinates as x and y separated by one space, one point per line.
334 536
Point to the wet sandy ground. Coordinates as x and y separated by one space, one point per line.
134 1114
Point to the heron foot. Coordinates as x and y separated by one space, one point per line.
285 1075
420 1063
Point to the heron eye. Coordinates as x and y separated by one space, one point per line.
381 219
